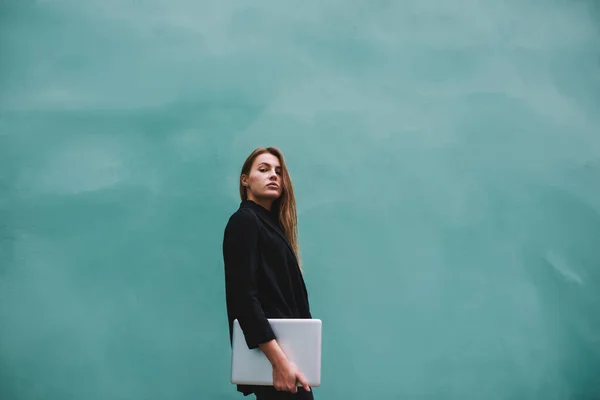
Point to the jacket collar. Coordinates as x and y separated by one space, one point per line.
270 218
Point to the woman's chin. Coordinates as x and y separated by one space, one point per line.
271 194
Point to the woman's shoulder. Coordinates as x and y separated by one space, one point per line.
242 218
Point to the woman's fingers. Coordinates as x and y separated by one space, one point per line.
303 381
286 378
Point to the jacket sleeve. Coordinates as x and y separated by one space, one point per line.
240 255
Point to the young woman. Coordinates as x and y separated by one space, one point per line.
263 278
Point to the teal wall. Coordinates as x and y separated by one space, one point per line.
446 158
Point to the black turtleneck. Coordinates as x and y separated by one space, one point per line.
262 276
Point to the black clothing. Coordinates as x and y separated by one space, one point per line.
269 393
262 275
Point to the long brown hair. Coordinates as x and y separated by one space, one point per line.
285 205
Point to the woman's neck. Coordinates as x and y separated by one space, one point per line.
265 203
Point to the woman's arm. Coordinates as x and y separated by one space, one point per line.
240 255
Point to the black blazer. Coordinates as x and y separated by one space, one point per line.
262 276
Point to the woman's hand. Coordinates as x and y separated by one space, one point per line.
285 373
286 376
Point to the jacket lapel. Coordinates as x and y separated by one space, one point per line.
273 226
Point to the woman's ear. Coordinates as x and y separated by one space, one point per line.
244 180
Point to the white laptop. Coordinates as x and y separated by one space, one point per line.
299 339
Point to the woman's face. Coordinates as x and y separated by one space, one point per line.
264 180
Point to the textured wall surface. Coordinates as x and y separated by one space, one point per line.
446 160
